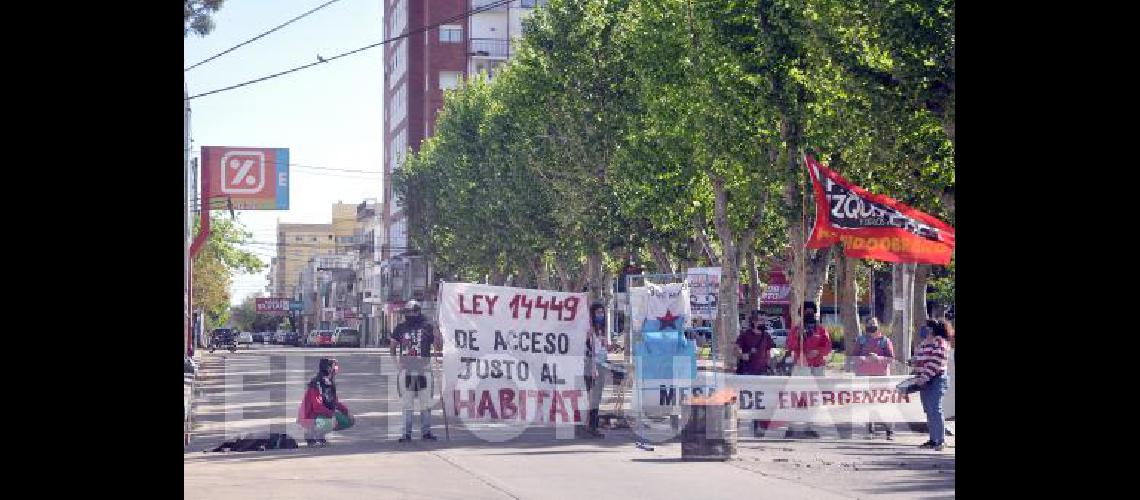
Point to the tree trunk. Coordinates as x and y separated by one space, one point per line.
594 276
754 281
661 258
883 294
727 316
848 301
817 274
796 237
542 273
902 278
921 275
564 281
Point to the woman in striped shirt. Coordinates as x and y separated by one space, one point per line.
930 368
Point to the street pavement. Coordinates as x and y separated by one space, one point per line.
257 390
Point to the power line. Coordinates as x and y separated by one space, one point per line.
429 27
231 49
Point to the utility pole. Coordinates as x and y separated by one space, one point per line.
188 341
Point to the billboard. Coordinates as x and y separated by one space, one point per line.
250 178
272 305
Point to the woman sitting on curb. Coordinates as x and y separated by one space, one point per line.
320 411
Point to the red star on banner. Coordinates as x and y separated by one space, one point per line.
669 319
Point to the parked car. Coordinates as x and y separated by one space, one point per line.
259 338
245 338
223 338
320 338
347 337
702 335
779 337
278 338
292 338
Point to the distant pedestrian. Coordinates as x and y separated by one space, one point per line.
320 411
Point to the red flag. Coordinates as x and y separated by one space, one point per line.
874 226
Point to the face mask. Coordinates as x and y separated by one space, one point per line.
872 329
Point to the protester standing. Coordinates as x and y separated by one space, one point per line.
930 369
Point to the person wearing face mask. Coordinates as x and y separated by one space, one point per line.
816 345
412 341
594 369
754 347
320 411
873 355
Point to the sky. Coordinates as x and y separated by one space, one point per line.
329 115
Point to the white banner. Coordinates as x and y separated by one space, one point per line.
704 285
820 400
513 354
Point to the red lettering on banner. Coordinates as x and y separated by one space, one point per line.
884 396
491 299
858 397
801 399
460 404
507 408
868 397
828 398
573 397
905 397
844 397
814 398
462 307
559 406
522 404
487 406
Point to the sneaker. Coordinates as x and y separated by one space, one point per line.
407 438
927 445
938 446
429 437
594 433
322 442
890 435
311 443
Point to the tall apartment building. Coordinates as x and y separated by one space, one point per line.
417 71
296 244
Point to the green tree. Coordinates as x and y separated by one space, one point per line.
214 266
196 16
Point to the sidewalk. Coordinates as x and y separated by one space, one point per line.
538 466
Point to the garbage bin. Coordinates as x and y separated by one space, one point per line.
710 433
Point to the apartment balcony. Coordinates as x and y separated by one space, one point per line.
475 4
495 48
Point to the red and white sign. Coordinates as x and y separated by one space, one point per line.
246 178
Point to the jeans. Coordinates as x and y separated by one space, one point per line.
414 396
596 386
931 397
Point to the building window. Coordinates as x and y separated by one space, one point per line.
449 80
451 34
